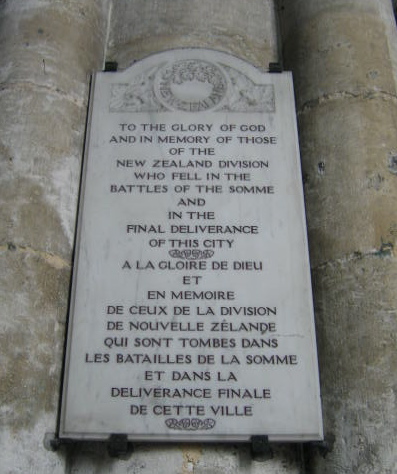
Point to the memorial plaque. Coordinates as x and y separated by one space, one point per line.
191 310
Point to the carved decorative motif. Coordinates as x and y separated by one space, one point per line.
188 254
136 96
190 424
246 96
192 85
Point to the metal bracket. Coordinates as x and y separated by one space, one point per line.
119 446
51 442
323 447
275 67
111 66
260 448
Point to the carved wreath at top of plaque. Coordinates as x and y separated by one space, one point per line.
191 85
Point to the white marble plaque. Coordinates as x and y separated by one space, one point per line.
191 311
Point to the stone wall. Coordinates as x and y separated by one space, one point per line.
343 56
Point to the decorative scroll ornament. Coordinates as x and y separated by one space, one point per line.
188 254
190 424
136 96
192 85
245 96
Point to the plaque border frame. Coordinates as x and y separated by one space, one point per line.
61 436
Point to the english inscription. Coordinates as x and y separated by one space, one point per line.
191 314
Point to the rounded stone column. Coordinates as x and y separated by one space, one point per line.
343 56
48 49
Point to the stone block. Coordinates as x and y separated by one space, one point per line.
348 150
46 44
329 47
34 289
355 306
40 154
139 28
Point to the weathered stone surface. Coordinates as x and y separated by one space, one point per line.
22 449
52 45
342 57
171 459
348 149
233 460
49 49
356 309
246 29
40 166
92 457
47 57
327 44
32 337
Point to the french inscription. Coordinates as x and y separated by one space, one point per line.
191 307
